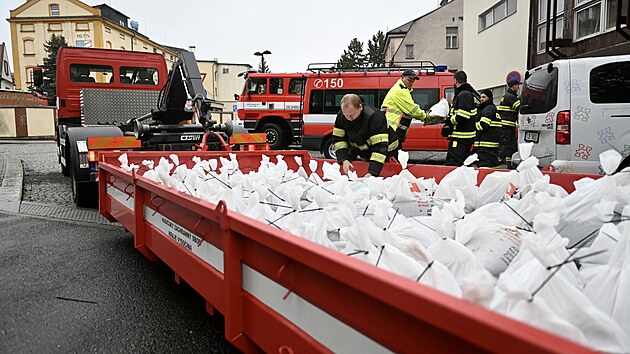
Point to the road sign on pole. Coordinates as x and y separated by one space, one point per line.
513 75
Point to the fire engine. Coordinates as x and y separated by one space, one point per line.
120 100
265 106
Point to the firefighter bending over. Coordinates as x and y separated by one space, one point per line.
399 106
361 131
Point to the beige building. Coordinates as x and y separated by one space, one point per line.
496 37
101 26
221 81
434 36
6 82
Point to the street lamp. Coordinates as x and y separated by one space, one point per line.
262 55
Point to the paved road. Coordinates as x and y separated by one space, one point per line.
74 288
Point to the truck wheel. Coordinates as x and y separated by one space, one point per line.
328 150
84 195
275 136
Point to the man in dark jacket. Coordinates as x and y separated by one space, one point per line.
460 126
362 131
508 110
488 129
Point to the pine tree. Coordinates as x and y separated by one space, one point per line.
263 67
353 56
376 50
50 64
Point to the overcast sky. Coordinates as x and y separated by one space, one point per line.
296 32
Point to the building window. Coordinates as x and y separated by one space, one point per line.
144 46
226 70
154 50
122 48
82 26
588 21
122 36
27 27
53 9
55 27
108 45
609 83
451 38
108 30
409 51
83 43
498 12
6 67
122 23
542 23
611 12
29 75
29 46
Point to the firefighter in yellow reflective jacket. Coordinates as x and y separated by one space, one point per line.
488 129
399 106
460 127
508 110
361 131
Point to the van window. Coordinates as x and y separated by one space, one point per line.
609 83
138 76
540 92
91 73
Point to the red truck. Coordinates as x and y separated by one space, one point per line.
300 108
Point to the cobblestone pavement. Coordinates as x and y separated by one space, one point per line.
43 181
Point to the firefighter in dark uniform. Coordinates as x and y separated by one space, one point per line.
361 131
399 106
460 127
508 110
488 130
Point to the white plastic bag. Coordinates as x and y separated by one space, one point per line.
439 109
463 179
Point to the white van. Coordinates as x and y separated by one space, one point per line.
575 109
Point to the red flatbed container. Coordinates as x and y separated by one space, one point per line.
281 293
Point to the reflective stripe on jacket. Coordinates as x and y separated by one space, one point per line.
488 126
400 109
508 109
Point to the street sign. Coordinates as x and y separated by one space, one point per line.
513 75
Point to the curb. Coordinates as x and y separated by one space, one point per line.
11 188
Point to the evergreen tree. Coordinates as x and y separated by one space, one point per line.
50 64
353 56
263 67
376 50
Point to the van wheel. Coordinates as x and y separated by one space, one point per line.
65 170
328 150
276 136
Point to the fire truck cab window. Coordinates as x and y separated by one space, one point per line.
329 101
138 76
257 86
91 73
425 98
295 86
276 86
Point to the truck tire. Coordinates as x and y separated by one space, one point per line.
85 194
276 136
327 149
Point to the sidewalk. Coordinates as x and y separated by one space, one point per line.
11 180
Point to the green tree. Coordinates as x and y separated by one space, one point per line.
263 67
353 56
376 50
50 64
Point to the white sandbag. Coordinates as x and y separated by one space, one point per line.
457 258
610 160
403 158
610 289
440 109
463 179
478 287
494 187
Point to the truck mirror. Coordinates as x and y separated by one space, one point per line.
38 76
550 68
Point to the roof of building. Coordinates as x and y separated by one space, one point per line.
101 6
407 26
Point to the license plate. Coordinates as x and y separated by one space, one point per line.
532 137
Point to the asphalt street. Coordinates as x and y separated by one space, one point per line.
68 287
